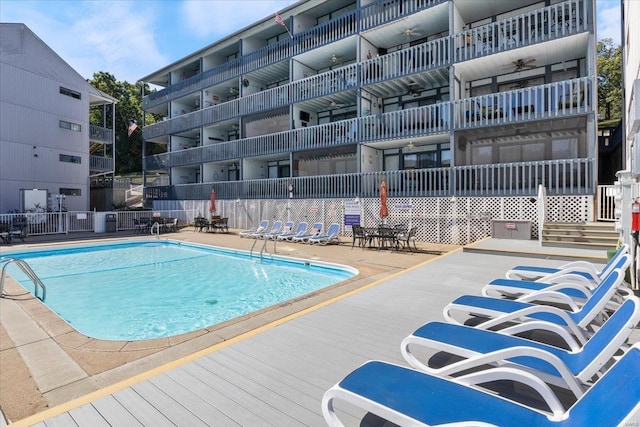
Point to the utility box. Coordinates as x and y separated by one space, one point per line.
111 223
511 229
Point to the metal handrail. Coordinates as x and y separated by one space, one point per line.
26 269
157 227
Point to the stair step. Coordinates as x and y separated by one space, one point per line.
583 245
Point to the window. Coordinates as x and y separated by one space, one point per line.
70 159
70 191
71 126
71 93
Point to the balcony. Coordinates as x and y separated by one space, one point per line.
566 98
100 134
552 22
560 99
99 164
560 177
383 11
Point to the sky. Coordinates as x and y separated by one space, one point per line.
131 39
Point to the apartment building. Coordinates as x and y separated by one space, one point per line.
46 139
463 107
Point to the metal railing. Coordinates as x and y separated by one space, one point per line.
26 269
606 203
100 163
98 133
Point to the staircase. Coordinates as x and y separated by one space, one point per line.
591 235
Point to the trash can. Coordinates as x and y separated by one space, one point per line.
110 223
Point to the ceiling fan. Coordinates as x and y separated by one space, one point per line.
335 59
334 104
413 89
523 64
410 32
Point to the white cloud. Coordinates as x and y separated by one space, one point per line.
217 19
608 12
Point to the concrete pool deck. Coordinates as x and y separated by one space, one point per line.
44 362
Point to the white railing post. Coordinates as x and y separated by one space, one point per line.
542 209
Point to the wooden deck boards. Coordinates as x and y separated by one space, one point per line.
278 377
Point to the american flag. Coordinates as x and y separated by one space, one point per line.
279 20
133 125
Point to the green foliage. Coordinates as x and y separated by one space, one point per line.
609 64
129 106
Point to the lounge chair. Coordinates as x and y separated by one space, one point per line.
248 233
299 231
567 368
315 230
578 290
406 397
492 313
330 237
288 226
576 268
260 234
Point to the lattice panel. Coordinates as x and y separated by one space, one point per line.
460 220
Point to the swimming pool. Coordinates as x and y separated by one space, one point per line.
152 289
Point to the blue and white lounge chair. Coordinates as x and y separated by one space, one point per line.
510 315
288 226
584 269
275 228
329 237
299 231
570 369
407 397
264 224
315 230
578 290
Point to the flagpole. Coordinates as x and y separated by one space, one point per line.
279 21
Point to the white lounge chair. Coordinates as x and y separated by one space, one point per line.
583 269
315 230
299 231
260 234
248 233
496 313
567 368
329 237
288 226
407 397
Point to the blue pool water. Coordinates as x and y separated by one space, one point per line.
144 290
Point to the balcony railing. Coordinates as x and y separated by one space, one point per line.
337 28
100 164
404 62
383 11
558 20
100 134
560 177
569 97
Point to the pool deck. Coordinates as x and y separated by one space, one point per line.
267 369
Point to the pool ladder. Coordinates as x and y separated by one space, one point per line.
264 247
156 225
26 269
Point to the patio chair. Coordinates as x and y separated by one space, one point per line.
330 236
405 397
570 368
406 238
299 231
18 229
171 225
315 230
222 226
573 285
288 226
359 236
387 238
263 226
576 268
4 232
493 313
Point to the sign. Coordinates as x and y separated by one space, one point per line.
351 213
313 209
403 206
510 225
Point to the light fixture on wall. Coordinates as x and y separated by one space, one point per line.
410 146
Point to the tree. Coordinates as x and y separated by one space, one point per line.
129 106
609 64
